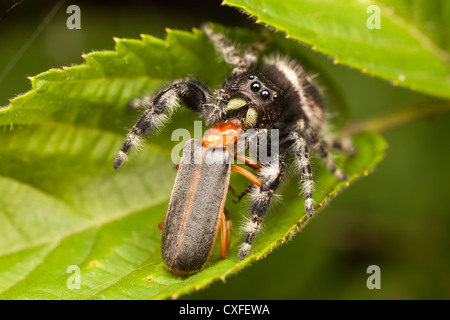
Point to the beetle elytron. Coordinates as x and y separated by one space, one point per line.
276 94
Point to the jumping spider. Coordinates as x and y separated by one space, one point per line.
278 94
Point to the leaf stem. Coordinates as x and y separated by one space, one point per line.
400 117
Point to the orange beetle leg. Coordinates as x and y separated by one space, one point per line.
225 236
248 162
250 176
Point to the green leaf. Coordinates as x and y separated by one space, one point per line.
63 204
410 49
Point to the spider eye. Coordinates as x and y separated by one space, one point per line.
255 86
265 94
251 77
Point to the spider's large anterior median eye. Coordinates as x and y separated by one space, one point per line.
265 94
255 86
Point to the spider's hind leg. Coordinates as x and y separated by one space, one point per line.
345 145
321 147
193 94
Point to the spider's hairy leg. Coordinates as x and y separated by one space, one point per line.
252 53
192 93
143 103
301 152
271 176
216 110
334 145
240 65
227 49
321 147
345 146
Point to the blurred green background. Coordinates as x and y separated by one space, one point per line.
396 218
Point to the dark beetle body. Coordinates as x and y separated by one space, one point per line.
195 207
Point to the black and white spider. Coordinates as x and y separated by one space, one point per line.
278 94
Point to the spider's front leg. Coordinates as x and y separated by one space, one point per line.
231 55
193 94
227 49
271 176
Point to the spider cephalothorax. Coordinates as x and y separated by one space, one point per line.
278 94
254 99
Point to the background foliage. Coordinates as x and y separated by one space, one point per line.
395 218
